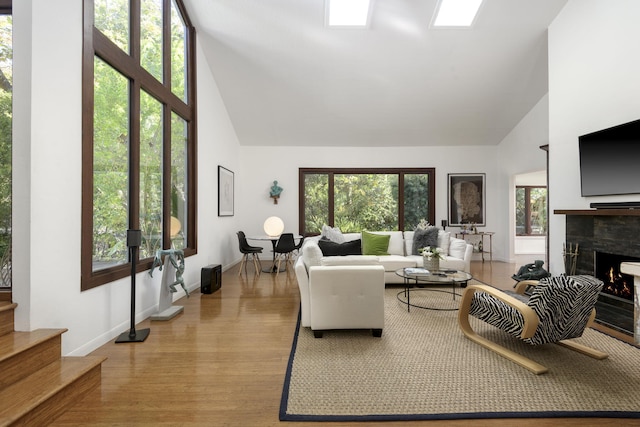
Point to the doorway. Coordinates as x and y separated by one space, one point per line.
531 220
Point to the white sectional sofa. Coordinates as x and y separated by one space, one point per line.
314 272
457 252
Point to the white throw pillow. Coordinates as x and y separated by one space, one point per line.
408 242
457 248
311 254
333 234
348 237
444 238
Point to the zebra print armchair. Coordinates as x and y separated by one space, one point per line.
557 309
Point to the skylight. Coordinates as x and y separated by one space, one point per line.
456 13
348 13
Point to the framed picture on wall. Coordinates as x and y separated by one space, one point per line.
466 202
225 192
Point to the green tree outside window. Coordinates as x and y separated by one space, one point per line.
366 200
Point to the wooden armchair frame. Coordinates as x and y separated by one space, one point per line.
531 322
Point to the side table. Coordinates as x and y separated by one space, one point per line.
482 247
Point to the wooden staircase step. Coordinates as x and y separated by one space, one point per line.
45 394
7 305
36 384
6 317
22 353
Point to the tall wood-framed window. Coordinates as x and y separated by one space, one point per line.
6 142
139 134
356 199
531 210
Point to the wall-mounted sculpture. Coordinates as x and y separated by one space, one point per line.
274 192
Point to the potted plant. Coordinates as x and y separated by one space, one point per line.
431 257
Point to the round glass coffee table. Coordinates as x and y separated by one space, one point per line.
415 277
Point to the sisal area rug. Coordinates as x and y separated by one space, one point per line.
424 368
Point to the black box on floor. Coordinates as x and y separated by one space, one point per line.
210 278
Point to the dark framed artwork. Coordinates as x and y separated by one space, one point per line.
225 192
466 202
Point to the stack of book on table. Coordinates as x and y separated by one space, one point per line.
416 271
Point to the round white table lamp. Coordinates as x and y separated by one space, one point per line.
273 226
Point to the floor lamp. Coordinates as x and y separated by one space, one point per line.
274 227
133 241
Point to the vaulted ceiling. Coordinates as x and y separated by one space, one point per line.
286 79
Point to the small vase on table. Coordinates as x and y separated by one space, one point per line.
431 263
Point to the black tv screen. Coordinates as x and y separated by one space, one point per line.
610 161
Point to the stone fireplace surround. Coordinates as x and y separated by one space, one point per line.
614 231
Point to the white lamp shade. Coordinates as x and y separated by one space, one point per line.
273 226
175 226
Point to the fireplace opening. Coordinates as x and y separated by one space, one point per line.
616 283
615 303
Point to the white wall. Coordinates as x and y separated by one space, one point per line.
217 145
21 162
47 186
261 165
593 84
521 154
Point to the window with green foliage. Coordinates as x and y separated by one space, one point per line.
138 134
110 166
531 211
6 118
365 199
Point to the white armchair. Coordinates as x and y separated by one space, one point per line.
343 297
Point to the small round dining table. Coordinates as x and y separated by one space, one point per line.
274 239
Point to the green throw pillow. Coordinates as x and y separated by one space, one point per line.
375 244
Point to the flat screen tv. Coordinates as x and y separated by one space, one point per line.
610 161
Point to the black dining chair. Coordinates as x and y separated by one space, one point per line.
248 251
284 248
298 246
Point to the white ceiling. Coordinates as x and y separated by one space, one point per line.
287 80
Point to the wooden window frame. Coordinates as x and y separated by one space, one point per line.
331 172
95 43
6 7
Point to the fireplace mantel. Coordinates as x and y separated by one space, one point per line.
598 212
613 231
633 268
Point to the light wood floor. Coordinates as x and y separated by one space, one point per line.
222 362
